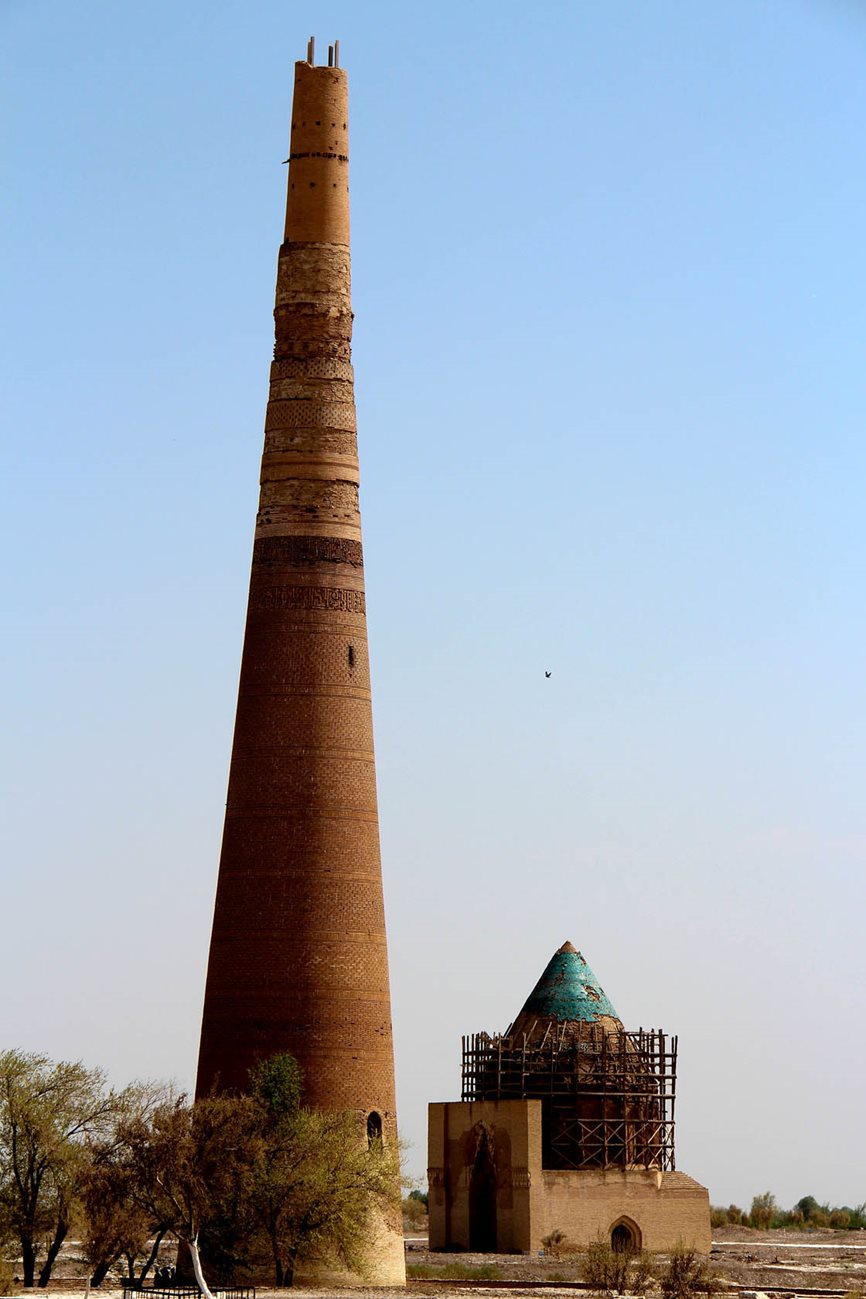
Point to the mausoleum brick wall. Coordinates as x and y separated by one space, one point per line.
666 1208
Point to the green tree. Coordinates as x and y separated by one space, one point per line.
319 1184
114 1226
47 1113
807 1206
414 1209
277 1084
191 1166
763 1210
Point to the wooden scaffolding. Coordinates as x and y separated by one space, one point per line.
607 1097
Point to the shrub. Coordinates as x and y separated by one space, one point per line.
617 1271
414 1211
686 1272
553 1243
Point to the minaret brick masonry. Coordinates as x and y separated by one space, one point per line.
298 959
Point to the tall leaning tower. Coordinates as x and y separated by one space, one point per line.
298 959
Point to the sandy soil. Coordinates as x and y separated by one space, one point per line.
792 1261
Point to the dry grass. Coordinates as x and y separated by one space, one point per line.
453 1272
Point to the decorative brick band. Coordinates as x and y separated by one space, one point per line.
341 157
312 367
332 599
308 550
304 413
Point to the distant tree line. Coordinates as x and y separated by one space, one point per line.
415 1206
242 1181
806 1215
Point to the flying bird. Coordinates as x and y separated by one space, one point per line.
546 673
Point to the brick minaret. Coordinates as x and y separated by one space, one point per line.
298 958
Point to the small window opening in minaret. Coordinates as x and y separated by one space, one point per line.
374 1128
351 656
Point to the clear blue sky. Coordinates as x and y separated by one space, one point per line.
609 265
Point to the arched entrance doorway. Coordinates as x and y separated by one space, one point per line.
482 1196
625 1235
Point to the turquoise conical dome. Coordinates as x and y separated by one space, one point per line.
567 993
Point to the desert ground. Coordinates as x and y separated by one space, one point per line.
777 1263
783 1262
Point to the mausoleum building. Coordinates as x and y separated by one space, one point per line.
566 1123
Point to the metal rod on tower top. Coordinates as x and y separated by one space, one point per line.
311 49
336 54
330 56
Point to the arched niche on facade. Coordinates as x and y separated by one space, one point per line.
625 1234
482 1192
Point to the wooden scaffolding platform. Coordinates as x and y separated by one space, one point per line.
607 1096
